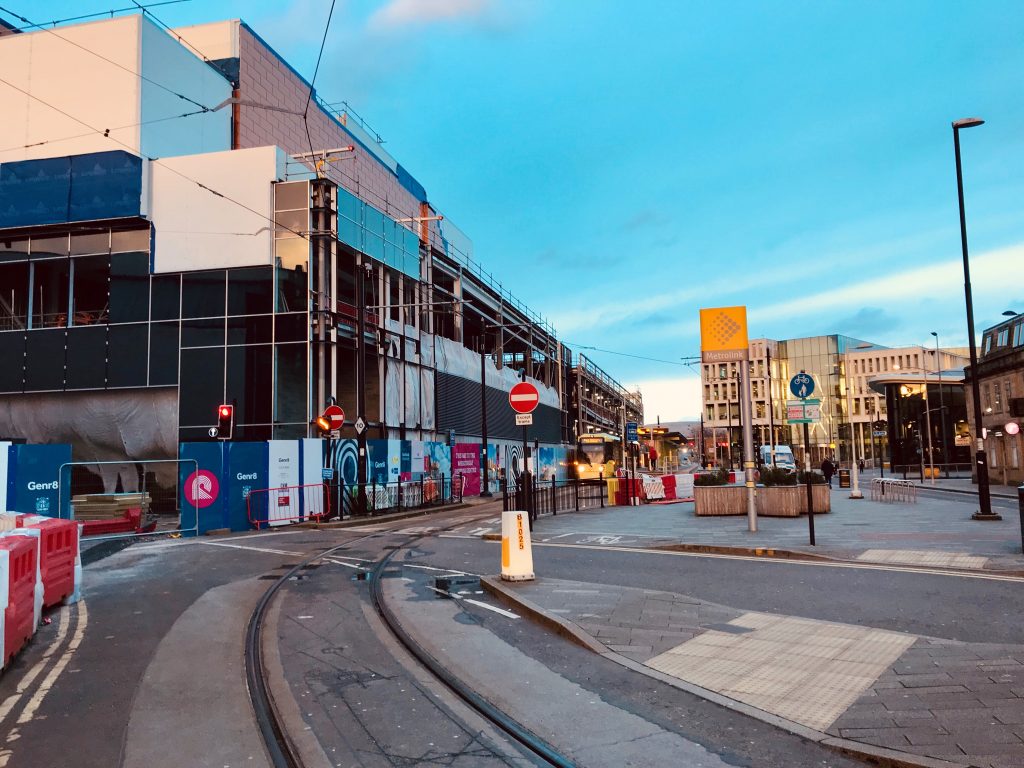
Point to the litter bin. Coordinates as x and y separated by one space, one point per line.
844 478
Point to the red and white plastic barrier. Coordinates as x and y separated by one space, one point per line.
19 579
60 561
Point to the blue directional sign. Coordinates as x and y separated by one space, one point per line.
801 385
631 432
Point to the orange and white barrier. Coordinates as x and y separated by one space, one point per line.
516 548
19 582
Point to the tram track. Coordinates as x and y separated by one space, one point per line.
281 749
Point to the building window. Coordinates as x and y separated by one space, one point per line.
1004 336
707 392
986 398
50 293
760 410
722 414
14 296
856 406
987 345
754 389
871 366
997 397
711 413
723 371
90 298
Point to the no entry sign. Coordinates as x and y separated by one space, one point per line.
335 415
523 397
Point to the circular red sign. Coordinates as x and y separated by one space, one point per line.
202 488
523 397
335 415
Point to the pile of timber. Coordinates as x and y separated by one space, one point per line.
106 506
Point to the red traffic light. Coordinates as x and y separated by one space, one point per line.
225 421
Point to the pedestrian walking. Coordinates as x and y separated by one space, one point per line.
860 464
828 469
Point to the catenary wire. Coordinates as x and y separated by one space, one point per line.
155 160
312 82
109 13
623 354
139 75
146 12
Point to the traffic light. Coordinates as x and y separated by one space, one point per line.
323 424
225 421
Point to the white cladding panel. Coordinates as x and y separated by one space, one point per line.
217 40
164 131
197 229
60 67
88 78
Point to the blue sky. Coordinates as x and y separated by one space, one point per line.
621 164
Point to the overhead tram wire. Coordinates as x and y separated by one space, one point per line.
139 75
106 130
159 22
156 160
109 13
312 82
624 354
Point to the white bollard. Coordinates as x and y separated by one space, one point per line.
516 550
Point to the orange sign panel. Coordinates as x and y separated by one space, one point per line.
723 334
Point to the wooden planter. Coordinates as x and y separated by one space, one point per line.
719 500
791 500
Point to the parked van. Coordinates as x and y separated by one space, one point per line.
784 458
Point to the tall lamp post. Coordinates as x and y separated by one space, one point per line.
942 407
981 460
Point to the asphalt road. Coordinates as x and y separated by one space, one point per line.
962 607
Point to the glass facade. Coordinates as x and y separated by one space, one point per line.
908 425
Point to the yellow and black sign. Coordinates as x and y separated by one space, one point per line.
723 334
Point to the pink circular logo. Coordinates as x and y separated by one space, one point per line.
202 488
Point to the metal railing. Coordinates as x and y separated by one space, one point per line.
549 497
891 489
373 498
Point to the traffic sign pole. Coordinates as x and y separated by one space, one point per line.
807 477
748 443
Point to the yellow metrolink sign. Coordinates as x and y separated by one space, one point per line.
723 334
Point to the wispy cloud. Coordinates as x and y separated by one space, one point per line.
406 13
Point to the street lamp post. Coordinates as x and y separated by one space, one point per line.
981 460
942 406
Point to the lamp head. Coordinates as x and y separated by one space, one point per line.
935 334
967 122
1010 313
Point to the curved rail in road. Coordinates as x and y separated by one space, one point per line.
284 754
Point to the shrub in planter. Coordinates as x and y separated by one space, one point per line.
714 477
816 478
773 476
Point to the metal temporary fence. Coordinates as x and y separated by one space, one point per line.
155 506
549 497
892 489
924 472
288 504
362 499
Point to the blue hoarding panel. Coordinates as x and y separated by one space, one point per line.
105 185
33 478
246 471
98 185
202 489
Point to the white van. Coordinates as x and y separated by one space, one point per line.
784 458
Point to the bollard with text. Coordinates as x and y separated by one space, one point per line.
805 411
516 549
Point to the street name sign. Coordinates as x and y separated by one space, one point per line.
801 385
524 419
523 397
631 432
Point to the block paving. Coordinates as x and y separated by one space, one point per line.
927 697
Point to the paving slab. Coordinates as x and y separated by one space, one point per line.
923 698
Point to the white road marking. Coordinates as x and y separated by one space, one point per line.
11 701
44 688
347 565
785 561
252 549
502 611
439 570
